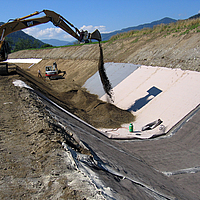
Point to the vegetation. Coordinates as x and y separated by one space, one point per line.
22 44
25 44
181 27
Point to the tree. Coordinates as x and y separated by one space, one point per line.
10 43
46 45
26 44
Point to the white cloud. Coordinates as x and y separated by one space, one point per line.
48 33
91 28
199 12
58 33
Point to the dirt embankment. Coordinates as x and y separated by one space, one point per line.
174 50
33 162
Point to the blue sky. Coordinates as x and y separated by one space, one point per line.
106 15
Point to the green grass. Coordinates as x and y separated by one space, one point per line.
53 47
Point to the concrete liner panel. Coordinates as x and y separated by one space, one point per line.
155 92
116 73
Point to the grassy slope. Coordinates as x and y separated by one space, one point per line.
173 45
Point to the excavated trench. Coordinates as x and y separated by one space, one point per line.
81 103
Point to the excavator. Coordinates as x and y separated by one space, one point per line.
25 22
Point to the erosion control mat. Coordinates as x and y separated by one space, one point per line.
81 103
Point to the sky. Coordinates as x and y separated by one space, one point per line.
104 15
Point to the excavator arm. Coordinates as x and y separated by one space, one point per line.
50 16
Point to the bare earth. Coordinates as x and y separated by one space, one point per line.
34 164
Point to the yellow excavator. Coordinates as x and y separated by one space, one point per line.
24 22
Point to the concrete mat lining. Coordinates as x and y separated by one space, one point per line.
176 93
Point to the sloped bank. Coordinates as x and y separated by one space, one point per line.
173 50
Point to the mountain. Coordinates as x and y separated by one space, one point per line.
15 36
105 36
195 16
166 20
55 42
20 34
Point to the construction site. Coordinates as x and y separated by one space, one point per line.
113 120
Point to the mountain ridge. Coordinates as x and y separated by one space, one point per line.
56 42
14 37
165 20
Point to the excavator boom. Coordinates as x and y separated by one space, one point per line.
24 22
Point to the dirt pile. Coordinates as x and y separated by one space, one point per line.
97 113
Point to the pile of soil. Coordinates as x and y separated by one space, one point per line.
94 111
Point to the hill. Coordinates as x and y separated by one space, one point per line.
195 16
15 37
166 20
105 36
55 42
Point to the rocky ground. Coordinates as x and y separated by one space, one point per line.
34 163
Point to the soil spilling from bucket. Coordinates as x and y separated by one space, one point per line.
104 78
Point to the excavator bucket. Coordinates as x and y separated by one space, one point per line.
95 35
